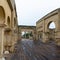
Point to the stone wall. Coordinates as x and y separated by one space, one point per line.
43 27
8 26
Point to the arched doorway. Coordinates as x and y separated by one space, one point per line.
51 32
27 34
51 25
2 15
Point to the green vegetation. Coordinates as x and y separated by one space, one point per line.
26 35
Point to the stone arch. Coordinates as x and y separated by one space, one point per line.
8 21
51 25
51 30
2 15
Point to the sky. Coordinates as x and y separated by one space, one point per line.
30 11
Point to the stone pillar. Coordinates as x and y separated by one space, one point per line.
12 48
34 34
45 37
1 40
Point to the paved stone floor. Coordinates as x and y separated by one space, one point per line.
29 50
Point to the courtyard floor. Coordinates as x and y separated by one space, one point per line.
35 50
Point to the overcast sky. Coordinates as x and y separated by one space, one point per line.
30 11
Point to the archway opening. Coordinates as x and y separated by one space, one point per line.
22 34
51 34
2 15
52 25
26 35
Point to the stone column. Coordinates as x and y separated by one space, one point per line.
1 40
34 36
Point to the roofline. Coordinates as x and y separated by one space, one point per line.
44 17
25 26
